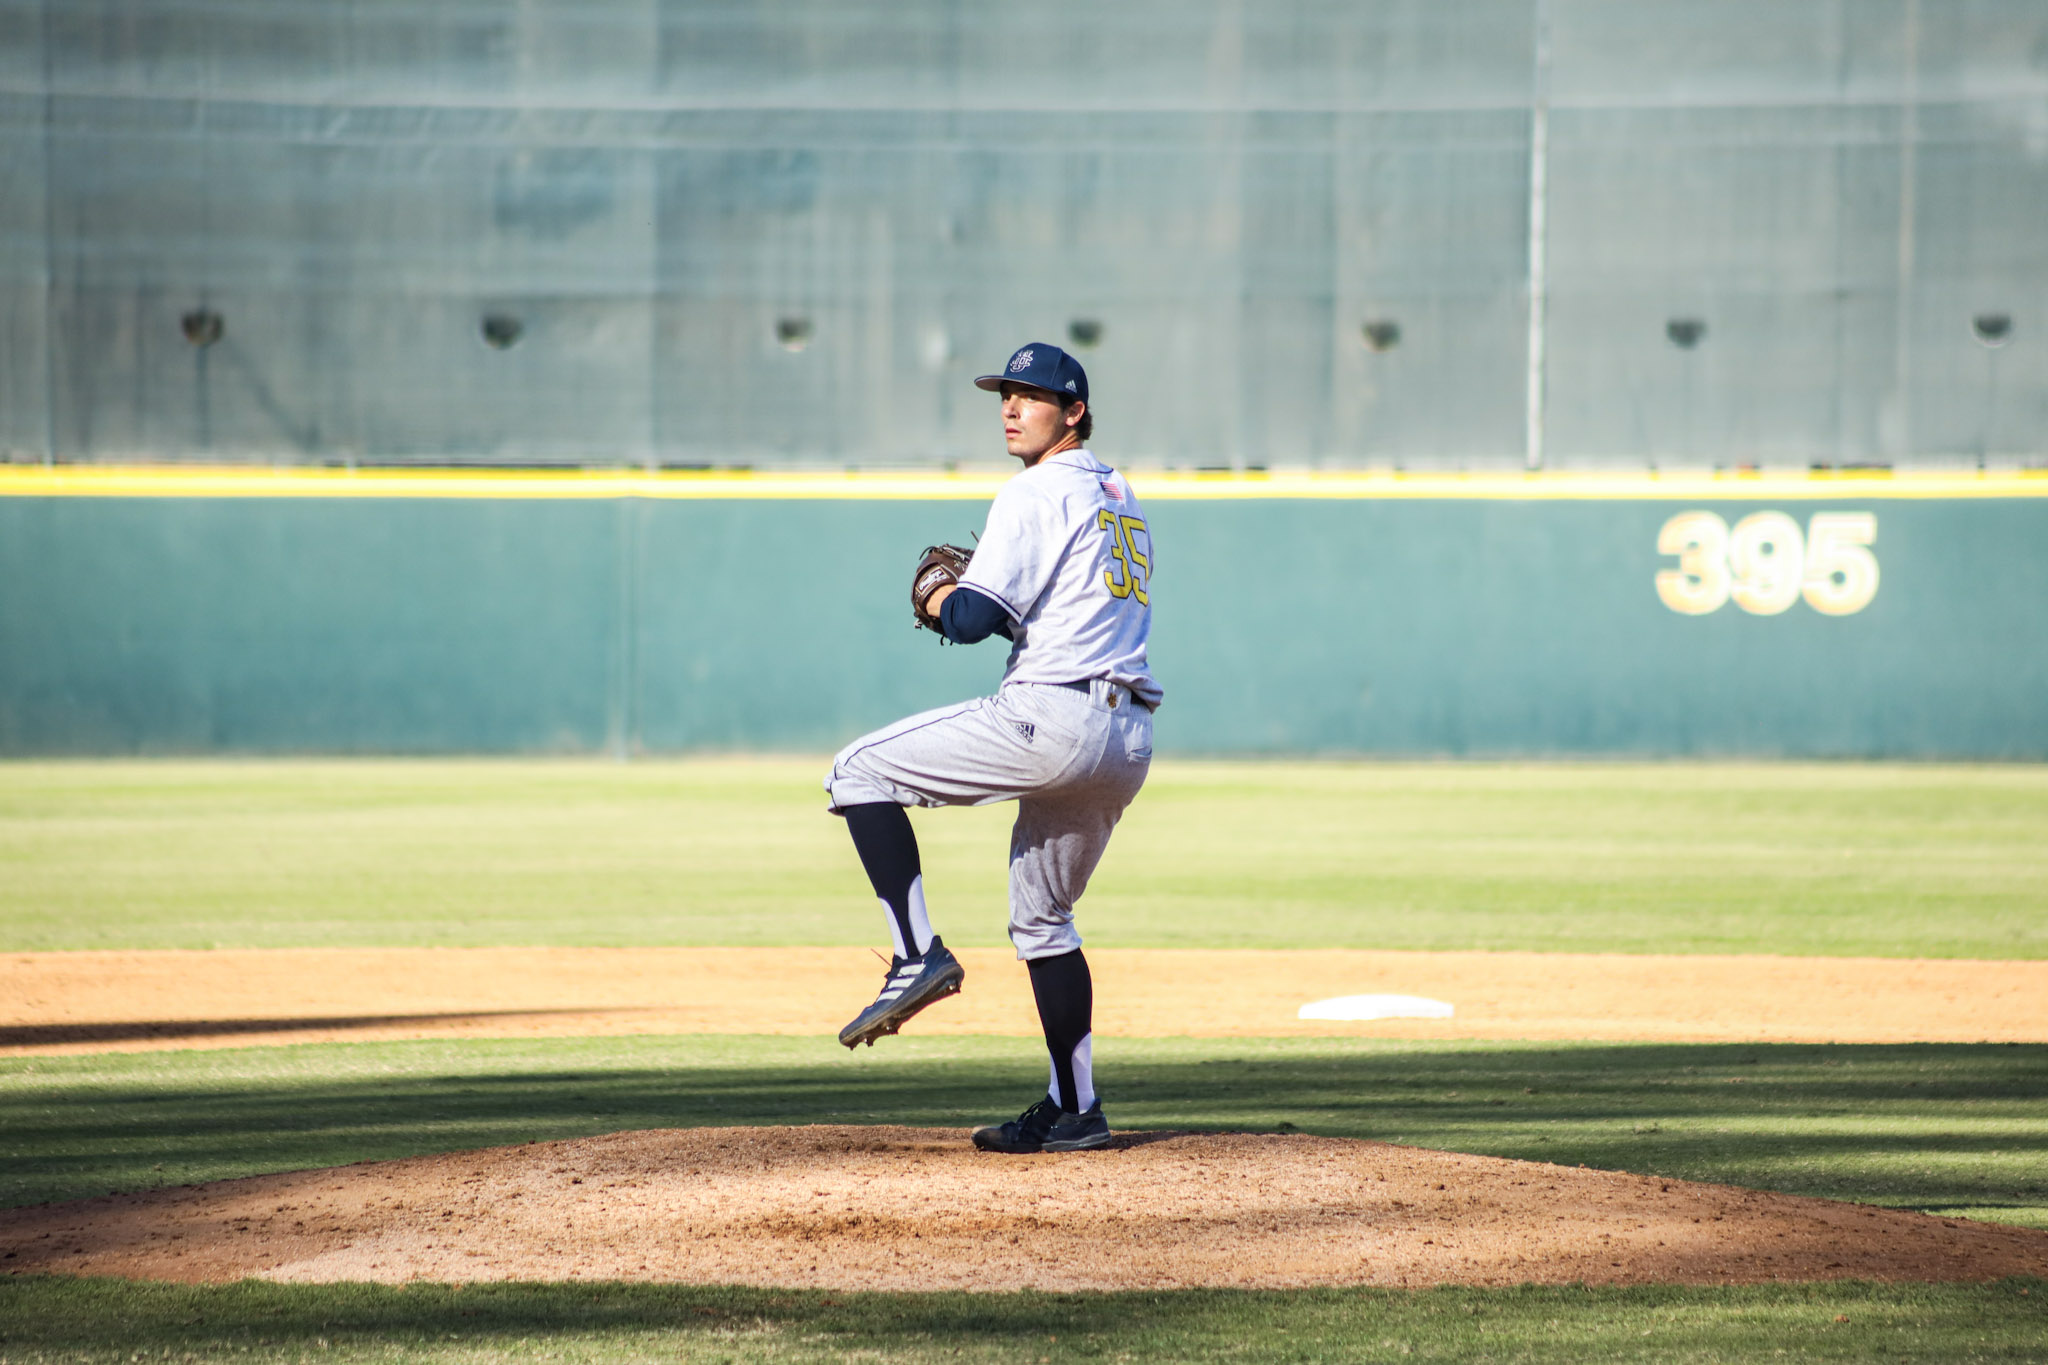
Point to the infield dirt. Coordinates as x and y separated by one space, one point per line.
136 1000
920 1209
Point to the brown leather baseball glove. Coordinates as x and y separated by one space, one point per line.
939 566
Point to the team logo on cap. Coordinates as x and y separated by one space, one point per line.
1020 362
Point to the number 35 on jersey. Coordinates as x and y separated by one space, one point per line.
1130 553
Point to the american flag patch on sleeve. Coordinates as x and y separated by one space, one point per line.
1114 492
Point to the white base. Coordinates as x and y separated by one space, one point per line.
1376 1007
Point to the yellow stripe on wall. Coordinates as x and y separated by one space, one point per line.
190 481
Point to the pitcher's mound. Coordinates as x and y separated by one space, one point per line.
910 1208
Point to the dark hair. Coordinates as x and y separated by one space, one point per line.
1086 426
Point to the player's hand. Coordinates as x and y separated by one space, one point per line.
938 572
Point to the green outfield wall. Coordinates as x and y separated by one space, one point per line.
1342 620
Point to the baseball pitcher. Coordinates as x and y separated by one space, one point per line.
1063 570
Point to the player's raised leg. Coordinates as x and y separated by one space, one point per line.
888 851
969 754
923 969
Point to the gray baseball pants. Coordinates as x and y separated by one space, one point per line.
1071 760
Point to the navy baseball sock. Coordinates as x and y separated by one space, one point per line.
888 850
1066 1008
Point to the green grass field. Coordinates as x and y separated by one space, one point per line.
1944 1128
1890 861
99 1320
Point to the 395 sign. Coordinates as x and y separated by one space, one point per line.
1765 563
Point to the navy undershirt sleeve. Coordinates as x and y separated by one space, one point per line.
967 616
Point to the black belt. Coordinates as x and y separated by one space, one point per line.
1089 687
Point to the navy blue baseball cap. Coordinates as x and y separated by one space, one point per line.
1043 366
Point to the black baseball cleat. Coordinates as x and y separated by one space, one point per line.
1045 1127
912 984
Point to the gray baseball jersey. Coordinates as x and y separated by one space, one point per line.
1068 554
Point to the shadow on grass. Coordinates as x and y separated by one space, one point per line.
109 1319
46 1035
1932 1125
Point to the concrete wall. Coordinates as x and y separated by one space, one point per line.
731 232
1461 625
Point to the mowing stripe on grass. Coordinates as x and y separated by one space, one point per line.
1878 860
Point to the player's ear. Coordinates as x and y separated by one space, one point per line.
1076 410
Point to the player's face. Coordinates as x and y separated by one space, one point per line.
1036 421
